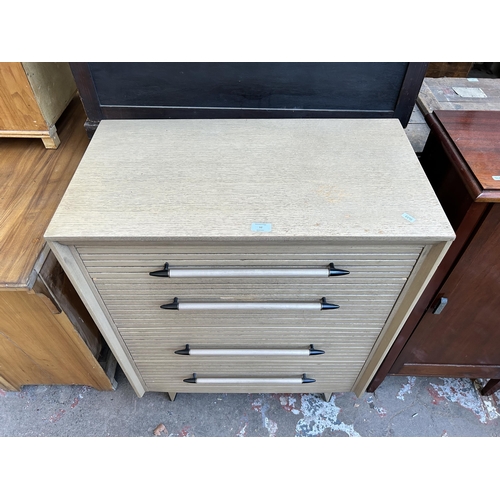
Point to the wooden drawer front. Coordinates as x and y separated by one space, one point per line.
365 296
376 278
133 264
366 305
340 376
335 349
345 351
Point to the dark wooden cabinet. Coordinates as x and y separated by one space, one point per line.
461 339
153 90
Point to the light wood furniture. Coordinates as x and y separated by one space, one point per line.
46 334
33 96
249 215
453 330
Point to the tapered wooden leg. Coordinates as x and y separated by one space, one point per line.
171 396
492 386
327 396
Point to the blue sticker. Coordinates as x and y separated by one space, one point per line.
409 218
261 227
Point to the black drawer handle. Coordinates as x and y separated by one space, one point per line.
311 351
249 306
249 380
333 271
321 272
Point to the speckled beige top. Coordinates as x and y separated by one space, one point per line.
275 179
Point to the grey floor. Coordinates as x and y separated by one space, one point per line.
401 406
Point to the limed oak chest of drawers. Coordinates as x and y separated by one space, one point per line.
249 255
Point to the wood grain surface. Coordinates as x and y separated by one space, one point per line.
461 341
476 134
65 296
33 180
466 332
131 91
40 347
19 107
448 69
185 179
438 93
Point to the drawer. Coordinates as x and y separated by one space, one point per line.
173 351
139 313
343 358
337 343
134 264
132 296
339 376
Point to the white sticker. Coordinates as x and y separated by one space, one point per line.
472 79
261 227
469 92
408 217
496 177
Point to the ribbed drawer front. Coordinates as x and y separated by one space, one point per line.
365 297
340 373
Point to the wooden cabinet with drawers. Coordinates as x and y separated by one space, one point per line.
249 255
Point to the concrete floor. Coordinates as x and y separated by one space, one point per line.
401 406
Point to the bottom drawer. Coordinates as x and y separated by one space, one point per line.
273 375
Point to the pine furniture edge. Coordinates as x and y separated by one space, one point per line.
72 265
421 275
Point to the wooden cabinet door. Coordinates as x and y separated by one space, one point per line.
464 339
20 111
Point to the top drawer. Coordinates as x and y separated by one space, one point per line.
124 270
134 263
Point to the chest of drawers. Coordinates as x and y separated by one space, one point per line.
249 255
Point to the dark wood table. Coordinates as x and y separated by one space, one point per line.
454 329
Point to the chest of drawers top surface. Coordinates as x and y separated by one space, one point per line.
310 179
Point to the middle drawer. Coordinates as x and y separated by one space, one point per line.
258 290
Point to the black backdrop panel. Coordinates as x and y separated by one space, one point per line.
309 86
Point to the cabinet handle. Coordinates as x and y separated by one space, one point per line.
249 306
329 271
187 351
249 380
441 304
